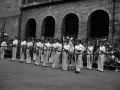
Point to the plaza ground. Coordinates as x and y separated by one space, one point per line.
22 76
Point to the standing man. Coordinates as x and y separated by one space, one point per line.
57 48
29 47
79 49
14 49
47 46
65 55
89 56
38 52
2 49
22 50
101 57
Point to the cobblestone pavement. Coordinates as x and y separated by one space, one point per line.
22 76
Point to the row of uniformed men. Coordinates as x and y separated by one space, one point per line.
50 53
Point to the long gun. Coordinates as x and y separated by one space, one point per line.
43 46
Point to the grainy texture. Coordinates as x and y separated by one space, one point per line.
10 12
21 76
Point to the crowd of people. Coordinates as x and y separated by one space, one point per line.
67 52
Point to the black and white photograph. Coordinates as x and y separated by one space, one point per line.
59 44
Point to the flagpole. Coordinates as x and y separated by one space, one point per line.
2 31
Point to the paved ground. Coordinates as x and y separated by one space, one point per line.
21 76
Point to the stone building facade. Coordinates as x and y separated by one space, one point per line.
57 18
9 14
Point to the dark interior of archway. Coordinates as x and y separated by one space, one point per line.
49 27
71 25
99 24
31 29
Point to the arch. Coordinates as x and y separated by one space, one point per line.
98 24
70 25
48 27
30 29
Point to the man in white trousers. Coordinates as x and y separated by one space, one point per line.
2 49
89 56
101 57
14 49
22 50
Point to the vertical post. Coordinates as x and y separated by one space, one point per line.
2 31
62 41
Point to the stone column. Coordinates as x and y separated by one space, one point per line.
110 37
58 31
82 33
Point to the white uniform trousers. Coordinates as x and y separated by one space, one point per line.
56 59
34 56
28 59
22 55
51 57
64 61
45 61
37 61
101 59
79 63
2 51
14 52
42 55
89 61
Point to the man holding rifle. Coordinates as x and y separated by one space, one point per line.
79 49
14 49
22 50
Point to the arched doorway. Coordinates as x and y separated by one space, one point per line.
48 27
30 31
98 24
70 25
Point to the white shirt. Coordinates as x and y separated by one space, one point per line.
82 48
3 43
15 42
67 46
59 46
48 45
102 48
77 47
23 43
54 45
90 49
29 44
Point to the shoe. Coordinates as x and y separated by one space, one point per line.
21 61
90 68
77 72
116 70
101 70
64 69
44 65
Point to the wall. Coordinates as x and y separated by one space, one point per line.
81 8
9 13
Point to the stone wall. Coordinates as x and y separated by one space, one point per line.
117 21
9 13
82 9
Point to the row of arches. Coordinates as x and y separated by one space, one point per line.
98 25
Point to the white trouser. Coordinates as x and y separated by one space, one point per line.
56 60
28 59
14 52
64 61
22 55
37 60
89 61
2 50
101 59
79 62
